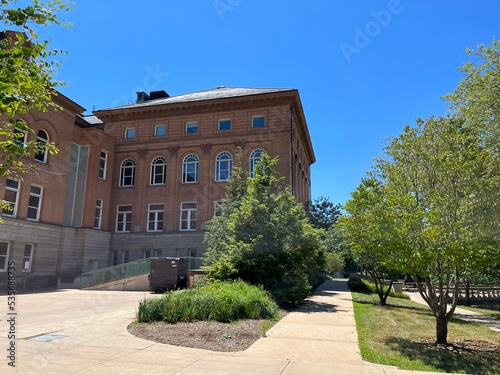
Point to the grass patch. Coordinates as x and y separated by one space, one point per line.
220 301
402 334
493 313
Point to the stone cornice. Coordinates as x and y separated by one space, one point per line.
215 105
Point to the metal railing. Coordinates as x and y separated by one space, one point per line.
118 272
126 270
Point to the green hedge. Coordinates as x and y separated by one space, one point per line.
220 301
357 284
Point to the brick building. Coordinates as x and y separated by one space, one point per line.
141 180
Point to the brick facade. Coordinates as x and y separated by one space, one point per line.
131 139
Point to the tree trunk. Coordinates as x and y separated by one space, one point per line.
441 330
467 293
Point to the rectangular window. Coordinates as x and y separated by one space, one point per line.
157 253
124 219
155 218
191 127
146 254
258 121
27 258
4 256
160 130
34 203
11 196
188 216
98 214
103 164
224 124
114 258
129 133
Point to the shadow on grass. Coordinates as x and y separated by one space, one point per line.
421 309
469 361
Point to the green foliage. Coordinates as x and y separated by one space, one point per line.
263 236
430 209
28 78
219 301
334 262
477 98
357 284
323 213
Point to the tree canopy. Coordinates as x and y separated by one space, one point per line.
323 213
263 235
431 205
28 70
427 209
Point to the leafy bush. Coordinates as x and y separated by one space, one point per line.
291 293
357 284
220 301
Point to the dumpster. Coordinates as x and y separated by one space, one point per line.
168 274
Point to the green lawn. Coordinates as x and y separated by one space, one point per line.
401 334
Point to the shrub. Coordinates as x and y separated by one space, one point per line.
220 301
357 284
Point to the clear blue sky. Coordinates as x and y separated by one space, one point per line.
363 69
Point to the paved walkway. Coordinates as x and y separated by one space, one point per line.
84 332
470 316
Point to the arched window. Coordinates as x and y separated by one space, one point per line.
158 170
42 139
223 166
255 156
190 169
127 173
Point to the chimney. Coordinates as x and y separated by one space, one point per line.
160 94
142 97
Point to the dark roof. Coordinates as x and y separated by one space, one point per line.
88 121
217 93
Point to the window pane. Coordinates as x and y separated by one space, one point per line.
160 130
258 121
36 190
192 127
34 201
224 124
12 184
10 196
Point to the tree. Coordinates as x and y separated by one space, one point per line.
28 78
323 213
366 231
477 98
263 236
437 210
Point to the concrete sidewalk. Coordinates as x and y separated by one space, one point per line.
85 332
